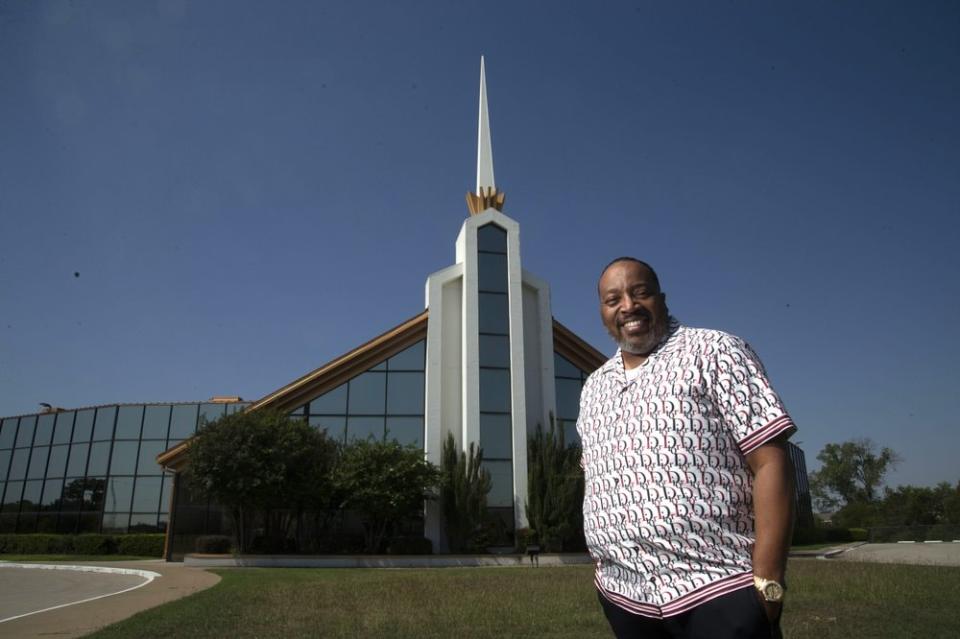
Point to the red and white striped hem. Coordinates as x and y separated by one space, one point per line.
759 437
683 604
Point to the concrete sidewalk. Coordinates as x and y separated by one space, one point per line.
176 581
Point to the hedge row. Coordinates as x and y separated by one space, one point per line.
142 545
805 536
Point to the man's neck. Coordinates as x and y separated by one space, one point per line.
632 360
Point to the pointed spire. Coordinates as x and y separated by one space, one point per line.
486 195
484 146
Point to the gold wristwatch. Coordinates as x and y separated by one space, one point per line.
770 590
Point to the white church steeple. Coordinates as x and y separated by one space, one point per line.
486 195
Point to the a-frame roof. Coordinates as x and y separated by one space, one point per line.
368 355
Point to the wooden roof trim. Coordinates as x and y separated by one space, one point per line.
579 352
327 377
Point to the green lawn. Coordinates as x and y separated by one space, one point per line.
826 600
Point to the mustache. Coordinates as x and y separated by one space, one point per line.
640 314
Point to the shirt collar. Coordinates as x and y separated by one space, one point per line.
615 363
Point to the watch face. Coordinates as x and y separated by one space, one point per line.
773 591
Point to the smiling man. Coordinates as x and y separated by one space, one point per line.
688 505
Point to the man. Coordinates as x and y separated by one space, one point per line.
689 499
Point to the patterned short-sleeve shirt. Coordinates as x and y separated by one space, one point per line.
668 506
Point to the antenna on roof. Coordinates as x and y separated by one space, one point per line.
486 195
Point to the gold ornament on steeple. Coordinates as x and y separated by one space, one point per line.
490 197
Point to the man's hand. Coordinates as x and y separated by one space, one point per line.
772 608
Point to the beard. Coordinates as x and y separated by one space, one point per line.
642 344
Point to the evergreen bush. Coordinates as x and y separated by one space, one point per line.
464 485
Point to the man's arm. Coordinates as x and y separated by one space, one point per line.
773 511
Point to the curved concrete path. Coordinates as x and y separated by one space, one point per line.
938 554
118 596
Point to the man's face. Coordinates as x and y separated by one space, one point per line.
633 309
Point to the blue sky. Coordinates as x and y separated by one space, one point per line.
217 197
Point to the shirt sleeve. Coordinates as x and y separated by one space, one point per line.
747 403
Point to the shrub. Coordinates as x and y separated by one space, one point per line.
143 545
410 546
805 535
92 544
858 534
35 544
213 544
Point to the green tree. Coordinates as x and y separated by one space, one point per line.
260 461
851 473
386 484
554 490
951 505
464 487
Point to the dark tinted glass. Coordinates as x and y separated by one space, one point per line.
147 464
18 463
210 413
52 489
562 367
165 495
25 434
492 272
129 419
570 434
367 394
494 390
77 466
501 480
334 426
57 466
494 316
119 494
83 426
495 436
8 432
411 359
298 412
38 462
183 423
495 350
156 419
103 425
124 458
237 407
331 403
143 522
99 458
12 496
32 490
405 393
61 432
44 430
491 237
73 494
88 522
568 398
406 430
365 427
94 493
146 497
5 456
115 522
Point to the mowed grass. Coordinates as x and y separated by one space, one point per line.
826 600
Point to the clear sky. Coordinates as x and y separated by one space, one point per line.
213 198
